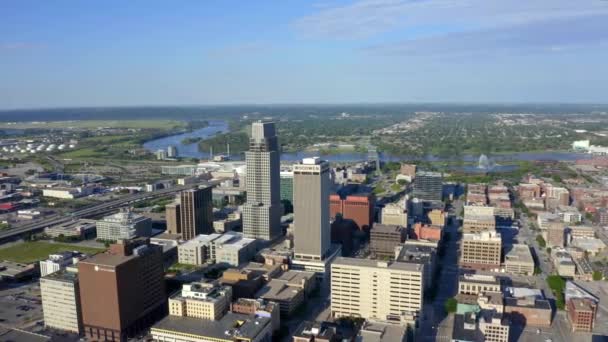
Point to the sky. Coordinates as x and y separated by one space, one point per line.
205 52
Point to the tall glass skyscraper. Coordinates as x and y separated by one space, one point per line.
262 211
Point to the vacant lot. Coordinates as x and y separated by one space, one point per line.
28 252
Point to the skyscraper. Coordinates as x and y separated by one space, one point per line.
428 186
262 212
196 212
311 209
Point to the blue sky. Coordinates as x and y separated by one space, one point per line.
146 52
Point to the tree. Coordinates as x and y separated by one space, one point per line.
451 305
541 241
597 275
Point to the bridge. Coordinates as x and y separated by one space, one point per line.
97 209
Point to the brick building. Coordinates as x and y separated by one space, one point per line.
359 208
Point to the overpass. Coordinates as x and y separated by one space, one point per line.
97 209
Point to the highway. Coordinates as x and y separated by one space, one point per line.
98 209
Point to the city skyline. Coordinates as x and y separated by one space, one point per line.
359 51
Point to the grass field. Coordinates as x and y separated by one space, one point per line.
96 123
29 252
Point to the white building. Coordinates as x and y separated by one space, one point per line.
230 248
124 225
57 262
377 290
61 301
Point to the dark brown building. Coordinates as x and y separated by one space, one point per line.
384 238
196 212
581 312
122 291
173 217
359 208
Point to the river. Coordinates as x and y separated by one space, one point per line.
220 126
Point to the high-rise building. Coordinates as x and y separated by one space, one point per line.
262 212
312 237
173 217
555 234
61 301
481 251
287 186
428 186
171 151
122 291
377 290
196 212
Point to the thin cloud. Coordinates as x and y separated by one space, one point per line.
367 18
553 36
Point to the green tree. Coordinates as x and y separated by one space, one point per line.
451 305
597 275
541 241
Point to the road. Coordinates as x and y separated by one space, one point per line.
435 324
96 209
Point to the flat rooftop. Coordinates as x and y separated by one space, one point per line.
399 266
228 327
62 275
519 253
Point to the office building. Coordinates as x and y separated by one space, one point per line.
262 211
161 154
173 217
289 290
80 228
314 332
171 151
286 185
377 290
394 214
122 291
60 295
422 253
232 327
555 234
437 217
384 238
530 308
260 308
229 249
428 186
196 212
358 208
581 314
481 251
519 260
201 300
409 171
563 263
123 225
421 231
57 262
312 236
478 223
476 284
